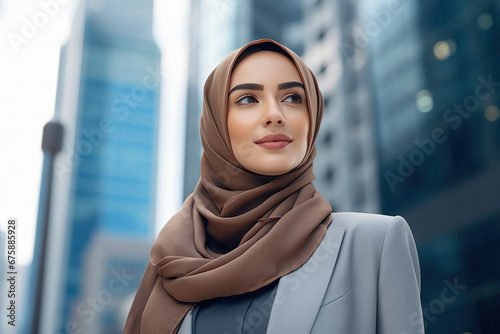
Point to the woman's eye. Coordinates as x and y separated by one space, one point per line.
246 99
294 98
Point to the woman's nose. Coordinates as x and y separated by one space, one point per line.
273 115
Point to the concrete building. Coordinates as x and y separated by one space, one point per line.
346 165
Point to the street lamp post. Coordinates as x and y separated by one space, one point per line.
51 144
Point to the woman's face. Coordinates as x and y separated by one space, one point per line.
268 118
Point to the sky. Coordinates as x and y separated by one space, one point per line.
30 39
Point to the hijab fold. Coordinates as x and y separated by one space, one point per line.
267 226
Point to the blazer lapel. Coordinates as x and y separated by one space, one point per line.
186 325
301 292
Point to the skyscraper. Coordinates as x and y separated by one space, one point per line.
346 164
435 79
104 193
208 19
411 127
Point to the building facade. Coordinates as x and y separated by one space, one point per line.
412 128
435 79
103 204
346 164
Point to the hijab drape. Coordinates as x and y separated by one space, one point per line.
270 225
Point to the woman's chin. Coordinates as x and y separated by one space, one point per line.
272 170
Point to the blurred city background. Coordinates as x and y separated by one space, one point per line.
411 127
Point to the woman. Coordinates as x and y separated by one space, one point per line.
255 248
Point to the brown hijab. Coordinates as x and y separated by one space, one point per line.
269 225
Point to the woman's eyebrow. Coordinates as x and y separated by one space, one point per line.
291 84
251 86
254 86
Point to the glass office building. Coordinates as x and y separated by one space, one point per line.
435 81
412 128
208 19
105 176
114 185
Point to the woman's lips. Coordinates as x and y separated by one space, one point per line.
274 141
274 144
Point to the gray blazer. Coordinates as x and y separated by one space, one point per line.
363 278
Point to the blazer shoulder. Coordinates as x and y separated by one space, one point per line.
352 219
368 224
